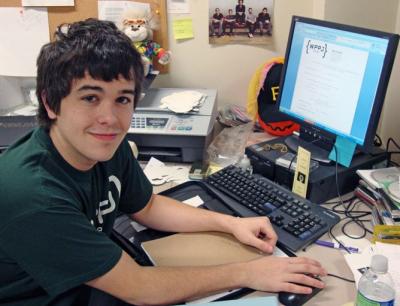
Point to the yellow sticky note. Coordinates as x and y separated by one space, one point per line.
183 28
300 180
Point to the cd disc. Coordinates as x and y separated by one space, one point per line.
394 191
385 175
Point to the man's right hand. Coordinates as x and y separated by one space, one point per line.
290 274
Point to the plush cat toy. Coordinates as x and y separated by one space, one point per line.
139 25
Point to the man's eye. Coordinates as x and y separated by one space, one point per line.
90 99
124 100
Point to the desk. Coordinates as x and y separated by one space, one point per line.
337 291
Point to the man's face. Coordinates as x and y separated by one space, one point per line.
93 120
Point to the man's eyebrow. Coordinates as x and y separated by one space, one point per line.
90 87
128 91
100 89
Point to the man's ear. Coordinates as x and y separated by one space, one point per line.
50 113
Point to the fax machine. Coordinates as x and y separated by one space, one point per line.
171 136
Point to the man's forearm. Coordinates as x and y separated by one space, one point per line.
167 214
193 282
165 285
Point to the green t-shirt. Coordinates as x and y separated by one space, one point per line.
55 220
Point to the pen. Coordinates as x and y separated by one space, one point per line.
336 246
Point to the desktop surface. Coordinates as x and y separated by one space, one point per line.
337 292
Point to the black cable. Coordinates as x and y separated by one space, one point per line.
342 278
390 139
377 141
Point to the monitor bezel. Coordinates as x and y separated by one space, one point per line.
311 129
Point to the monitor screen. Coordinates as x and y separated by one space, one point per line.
334 80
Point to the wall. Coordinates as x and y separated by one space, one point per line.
390 123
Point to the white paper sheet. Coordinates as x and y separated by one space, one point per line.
25 30
178 6
195 201
158 173
48 3
113 10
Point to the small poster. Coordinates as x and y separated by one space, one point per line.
241 21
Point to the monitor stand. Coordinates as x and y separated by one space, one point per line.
317 153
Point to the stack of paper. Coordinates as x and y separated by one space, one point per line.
381 189
183 102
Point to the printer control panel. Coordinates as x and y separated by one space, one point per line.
149 122
158 123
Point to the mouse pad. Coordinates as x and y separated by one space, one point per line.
200 249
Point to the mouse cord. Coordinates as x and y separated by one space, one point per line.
342 278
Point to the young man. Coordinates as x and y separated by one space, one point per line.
229 22
251 22
62 184
240 10
217 22
264 22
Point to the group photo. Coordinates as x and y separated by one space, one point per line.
240 21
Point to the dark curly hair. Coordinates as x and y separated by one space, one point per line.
92 46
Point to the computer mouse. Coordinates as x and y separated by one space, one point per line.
296 299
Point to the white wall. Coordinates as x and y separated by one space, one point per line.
390 121
379 15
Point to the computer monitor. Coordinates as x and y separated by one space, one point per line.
334 82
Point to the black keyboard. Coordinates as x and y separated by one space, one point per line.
297 221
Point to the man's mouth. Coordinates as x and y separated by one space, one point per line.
105 136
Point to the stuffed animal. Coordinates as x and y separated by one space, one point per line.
139 25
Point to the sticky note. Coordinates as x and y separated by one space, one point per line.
345 150
183 28
300 180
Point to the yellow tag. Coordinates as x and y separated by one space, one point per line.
300 180
386 233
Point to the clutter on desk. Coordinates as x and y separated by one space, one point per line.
380 188
386 234
183 101
159 173
228 147
233 115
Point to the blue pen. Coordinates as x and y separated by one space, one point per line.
336 246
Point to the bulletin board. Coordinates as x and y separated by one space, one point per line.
84 9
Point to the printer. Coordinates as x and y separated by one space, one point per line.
169 136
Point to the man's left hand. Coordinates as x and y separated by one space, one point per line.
256 232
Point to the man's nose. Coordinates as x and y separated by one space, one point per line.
106 113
